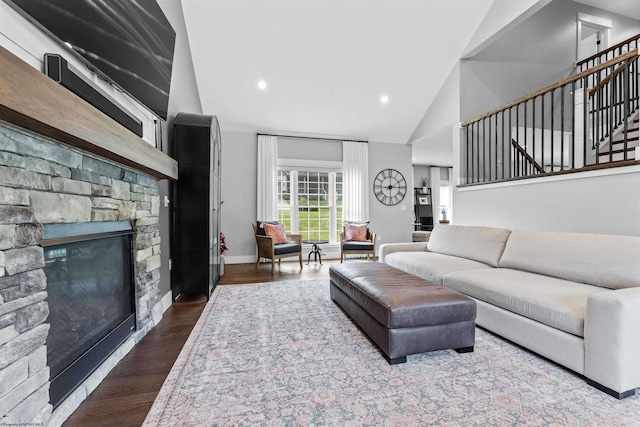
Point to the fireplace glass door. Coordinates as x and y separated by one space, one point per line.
90 295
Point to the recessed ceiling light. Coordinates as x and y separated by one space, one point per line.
384 99
262 84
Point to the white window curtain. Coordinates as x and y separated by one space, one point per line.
355 181
267 178
434 178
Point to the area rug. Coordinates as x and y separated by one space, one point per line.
283 353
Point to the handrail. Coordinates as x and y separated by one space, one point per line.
607 79
557 129
535 94
610 49
526 155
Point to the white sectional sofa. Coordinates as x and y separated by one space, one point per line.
573 298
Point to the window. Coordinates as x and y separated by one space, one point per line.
444 211
445 204
310 203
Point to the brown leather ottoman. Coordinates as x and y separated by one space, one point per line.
402 313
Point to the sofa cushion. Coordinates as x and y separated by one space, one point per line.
483 244
555 302
430 265
596 259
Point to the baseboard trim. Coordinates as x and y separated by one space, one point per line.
251 259
166 300
239 259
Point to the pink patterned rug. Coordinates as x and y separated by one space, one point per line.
283 353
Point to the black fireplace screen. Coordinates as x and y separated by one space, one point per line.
90 295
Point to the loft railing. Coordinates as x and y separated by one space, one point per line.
579 123
610 53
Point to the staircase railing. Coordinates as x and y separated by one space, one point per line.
610 110
523 161
624 46
564 127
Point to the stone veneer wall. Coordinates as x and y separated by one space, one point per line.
42 181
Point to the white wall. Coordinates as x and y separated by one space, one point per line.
239 195
587 202
420 172
296 148
183 95
391 223
539 51
500 19
431 141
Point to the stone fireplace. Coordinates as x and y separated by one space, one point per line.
44 182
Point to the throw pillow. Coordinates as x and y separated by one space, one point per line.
260 227
355 233
276 232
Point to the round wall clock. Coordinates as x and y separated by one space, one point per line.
390 187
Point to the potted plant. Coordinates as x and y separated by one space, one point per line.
425 185
223 247
443 211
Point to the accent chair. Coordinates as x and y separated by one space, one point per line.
357 239
268 248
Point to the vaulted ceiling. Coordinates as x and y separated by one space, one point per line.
327 63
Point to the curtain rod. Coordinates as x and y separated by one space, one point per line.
312 137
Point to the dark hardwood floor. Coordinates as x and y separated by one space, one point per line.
126 395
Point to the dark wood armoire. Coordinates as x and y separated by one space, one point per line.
195 222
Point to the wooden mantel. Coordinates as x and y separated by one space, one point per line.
31 100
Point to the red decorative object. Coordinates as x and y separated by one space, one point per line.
223 245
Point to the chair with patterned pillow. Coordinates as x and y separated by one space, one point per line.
357 239
274 243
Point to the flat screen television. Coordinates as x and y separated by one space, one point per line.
129 43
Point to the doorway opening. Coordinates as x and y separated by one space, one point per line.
592 35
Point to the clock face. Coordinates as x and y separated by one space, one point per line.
390 187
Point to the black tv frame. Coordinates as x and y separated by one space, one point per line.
131 39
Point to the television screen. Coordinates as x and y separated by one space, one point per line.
128 42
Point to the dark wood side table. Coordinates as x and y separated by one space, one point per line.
315 250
